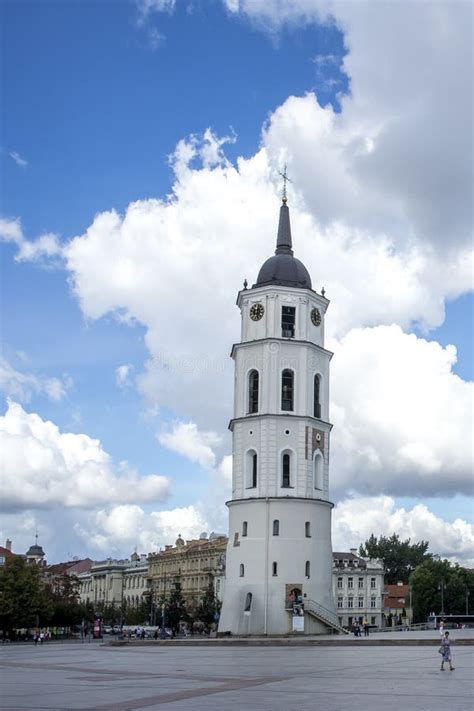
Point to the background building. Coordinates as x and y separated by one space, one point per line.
397 605
358 588
113 582
192 565
6 552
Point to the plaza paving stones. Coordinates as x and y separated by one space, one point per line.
214 677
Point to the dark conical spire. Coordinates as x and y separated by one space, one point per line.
284 245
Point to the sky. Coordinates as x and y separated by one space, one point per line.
140 150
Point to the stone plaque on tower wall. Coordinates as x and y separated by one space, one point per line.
314 441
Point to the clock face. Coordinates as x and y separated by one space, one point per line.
316 317
256 312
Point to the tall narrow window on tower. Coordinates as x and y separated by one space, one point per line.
253 391
285 469
254 470
288 315
251 469
287 389
317 402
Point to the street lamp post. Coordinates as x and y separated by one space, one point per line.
163 631
441 588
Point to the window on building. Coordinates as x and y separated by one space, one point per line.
286 470
274 568
276 527
236 539
251 469
318 470
361 583
373 602
287 390
360 602
350 583
248 602
253 391
339 602
241 570
317 402
307 529
244 528
339 583
288 317
372 620
372 583
350 602
307 569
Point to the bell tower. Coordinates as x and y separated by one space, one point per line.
279 551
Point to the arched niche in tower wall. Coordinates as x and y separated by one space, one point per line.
318 470
251 469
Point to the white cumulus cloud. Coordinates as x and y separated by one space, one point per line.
46 247
44 468
402 419
19 160
356 518
122 527
122 374
22 386
186 439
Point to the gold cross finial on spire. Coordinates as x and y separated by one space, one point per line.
286 180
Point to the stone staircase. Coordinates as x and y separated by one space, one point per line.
327 617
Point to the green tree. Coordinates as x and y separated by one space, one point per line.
175 610
209 607
65 600
137 614
108 612
426 582
400 557
24 601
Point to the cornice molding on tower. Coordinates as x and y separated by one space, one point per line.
322 423
280 340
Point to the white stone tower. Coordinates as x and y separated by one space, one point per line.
279 549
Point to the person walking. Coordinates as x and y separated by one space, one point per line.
445 651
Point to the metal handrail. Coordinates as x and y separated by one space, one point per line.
319 609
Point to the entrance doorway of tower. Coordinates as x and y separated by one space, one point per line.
295 605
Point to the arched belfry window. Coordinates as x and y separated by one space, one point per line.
276 527
241 570
318 470
253 391
307 569
317 396
287 389
251 469
286 469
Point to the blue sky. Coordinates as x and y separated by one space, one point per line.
96 101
